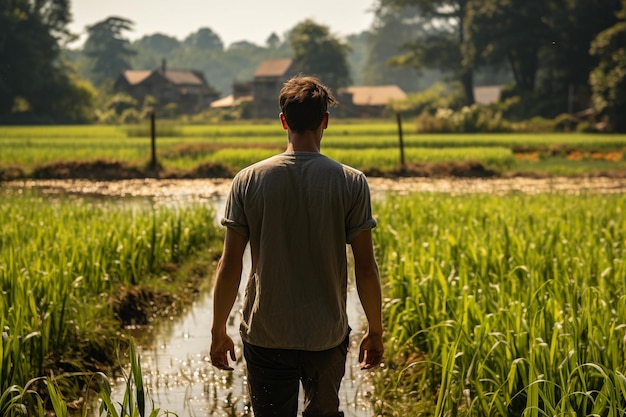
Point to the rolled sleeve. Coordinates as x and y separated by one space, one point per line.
234 214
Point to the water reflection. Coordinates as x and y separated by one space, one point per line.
180 377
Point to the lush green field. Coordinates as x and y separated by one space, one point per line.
73 270
367 146
503 305
497 305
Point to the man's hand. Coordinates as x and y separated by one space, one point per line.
221 346
371 351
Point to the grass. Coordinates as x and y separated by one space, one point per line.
503 305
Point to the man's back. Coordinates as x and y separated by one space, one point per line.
299 210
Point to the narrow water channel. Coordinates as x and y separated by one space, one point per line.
180 378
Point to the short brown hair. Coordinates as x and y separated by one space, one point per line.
304 101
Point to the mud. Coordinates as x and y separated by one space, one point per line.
216 188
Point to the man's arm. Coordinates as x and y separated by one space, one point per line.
225 291
370 293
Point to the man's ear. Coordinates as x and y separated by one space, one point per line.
283 121
325 120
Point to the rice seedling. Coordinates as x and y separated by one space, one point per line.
31 401
504 305
64 261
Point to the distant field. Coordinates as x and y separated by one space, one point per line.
367 146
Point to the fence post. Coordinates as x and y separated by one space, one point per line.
399 120
153 159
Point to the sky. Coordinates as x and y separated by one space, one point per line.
232 20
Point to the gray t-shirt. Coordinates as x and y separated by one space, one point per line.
299 210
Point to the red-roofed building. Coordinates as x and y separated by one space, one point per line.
188 89
269 78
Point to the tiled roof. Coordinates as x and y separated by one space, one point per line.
136 76
183 77
273 67
376 95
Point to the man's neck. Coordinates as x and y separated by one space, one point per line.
304 142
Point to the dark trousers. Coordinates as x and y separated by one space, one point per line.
274 377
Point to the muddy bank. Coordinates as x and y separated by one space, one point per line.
105 170
210 189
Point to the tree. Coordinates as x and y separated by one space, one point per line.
608 79
318 53
108 51
204 39
158 42
272 41
34 81
440 48
574 32
513 31
545 43
392 29
357 55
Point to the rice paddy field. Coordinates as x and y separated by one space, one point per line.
508 305
496 304
74 270
369 146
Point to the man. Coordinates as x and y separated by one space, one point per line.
298 210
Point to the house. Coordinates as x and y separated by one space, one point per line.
369 101
267 82
241 92
188 89
270 75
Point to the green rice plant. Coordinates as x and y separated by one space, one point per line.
135 395
511 305
17 401
64 261
29 401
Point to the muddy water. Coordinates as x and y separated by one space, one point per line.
174 353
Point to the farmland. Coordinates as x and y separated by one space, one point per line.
496 303
73 271
504 305
187 150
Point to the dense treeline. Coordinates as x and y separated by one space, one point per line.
554 56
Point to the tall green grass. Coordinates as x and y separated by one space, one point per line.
63 261
507 305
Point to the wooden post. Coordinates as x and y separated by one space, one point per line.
153 159
570 106
399 120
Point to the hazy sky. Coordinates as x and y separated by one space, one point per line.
232 20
